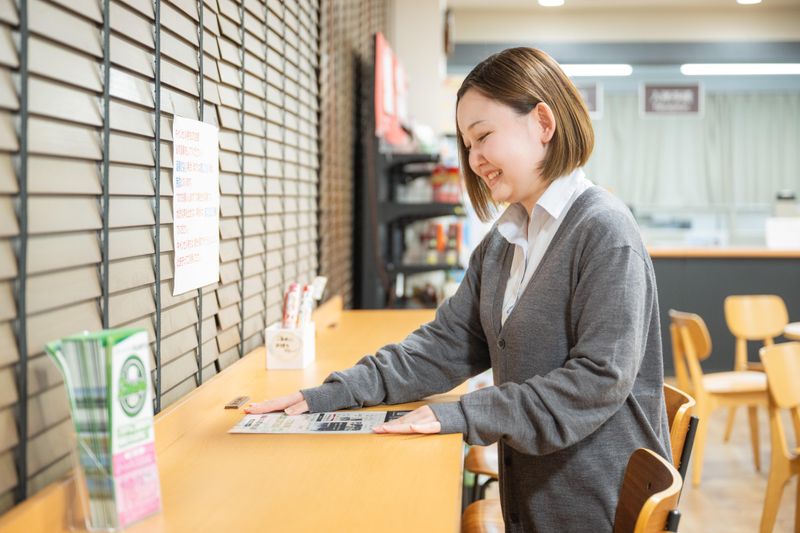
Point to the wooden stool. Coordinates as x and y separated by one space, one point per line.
482 460
483 516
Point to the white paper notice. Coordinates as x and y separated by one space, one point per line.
339 422
195 204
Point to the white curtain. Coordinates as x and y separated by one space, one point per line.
742 150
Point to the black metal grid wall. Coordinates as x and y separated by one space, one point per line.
88 92
347 30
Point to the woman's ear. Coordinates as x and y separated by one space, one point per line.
546 119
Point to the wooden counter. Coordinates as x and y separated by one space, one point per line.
216 482
721 253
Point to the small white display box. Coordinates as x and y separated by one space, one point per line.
289 348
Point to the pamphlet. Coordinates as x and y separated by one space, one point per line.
337 422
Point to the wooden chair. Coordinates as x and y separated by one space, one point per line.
758 317
682 426
486 516
648 500
782 365
690 345
482 460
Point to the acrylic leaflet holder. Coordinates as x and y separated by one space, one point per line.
290 348
107 377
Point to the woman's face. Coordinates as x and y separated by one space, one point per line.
505 148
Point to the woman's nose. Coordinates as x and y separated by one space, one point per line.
475 160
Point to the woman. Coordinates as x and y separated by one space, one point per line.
559 300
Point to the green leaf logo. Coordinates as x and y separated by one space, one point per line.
132 386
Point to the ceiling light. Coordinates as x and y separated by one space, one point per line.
551 3
748 2
740 69
597 70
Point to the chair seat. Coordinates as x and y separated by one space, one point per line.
482 460
792 331
728 382
483 516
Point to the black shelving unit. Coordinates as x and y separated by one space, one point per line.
379 219
381 222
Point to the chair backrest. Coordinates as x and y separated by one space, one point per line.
679 412
691 344
648 500
756 317
782 365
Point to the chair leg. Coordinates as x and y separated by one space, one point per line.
475 488
700 444
797 508
752 414
729 425
778 476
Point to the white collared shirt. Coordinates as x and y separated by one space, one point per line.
532 237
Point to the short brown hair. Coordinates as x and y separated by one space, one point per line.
521 78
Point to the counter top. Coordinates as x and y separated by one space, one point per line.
212 481
668 252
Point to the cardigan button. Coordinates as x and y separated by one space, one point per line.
501 344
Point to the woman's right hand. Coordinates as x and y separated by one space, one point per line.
292 404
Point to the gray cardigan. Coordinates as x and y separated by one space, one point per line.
577 368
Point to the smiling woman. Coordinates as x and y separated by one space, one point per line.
559 299
508 92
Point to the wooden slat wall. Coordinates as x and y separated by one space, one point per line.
9 236
278 79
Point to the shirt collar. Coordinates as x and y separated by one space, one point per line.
557 195
513 223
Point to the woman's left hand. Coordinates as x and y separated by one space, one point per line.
420 420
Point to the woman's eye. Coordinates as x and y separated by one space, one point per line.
482 137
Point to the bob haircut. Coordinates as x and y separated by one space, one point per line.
521 78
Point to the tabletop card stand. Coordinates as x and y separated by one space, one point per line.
290 348
107 377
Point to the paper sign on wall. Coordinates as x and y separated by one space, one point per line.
195 204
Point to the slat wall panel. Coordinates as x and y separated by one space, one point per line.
253 204
180 95
132 117
65 185
9 232
227 17
251 67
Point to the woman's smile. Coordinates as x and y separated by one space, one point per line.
493 177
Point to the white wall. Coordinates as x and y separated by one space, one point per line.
415 33
737 23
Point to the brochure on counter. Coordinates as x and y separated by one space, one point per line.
315 423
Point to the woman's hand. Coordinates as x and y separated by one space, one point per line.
292 404
420 420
